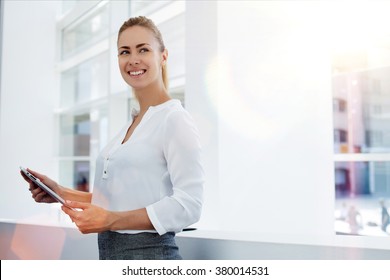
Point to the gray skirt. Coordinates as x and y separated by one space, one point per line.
140 246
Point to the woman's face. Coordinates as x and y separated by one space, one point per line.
139 57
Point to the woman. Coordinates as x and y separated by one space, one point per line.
149 178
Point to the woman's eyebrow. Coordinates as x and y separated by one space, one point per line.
141 45
137 46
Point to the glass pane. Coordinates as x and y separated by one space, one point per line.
178 94
81 175
81 135
84 134
85 32
362 197
75 134
146 7
362 110
75 174
99 131
86 81
173 31
351 178
361 101
67 5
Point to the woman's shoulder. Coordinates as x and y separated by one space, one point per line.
175 105
177 112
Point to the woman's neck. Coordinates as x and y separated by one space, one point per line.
151 96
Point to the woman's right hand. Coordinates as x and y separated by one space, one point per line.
38 194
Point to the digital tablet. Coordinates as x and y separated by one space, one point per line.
48 190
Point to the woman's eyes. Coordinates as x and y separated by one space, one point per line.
126 52
143 50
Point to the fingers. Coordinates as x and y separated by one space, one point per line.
68 211
86 216
36 174
40 196
74 209
77 204
35 191
71 208
71 213
82 219
37 195
32 186
25 177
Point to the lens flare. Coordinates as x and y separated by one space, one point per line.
224 93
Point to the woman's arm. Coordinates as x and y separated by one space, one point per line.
135 219
96 219
75 195
182 152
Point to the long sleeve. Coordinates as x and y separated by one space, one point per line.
182 151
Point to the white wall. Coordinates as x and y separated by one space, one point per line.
275 119
28 95
201 49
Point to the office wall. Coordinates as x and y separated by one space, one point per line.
27 123
201 51
275 119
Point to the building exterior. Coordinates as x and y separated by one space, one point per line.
361 119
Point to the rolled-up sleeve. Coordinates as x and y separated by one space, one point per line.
182 152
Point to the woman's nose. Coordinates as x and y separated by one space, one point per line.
134 60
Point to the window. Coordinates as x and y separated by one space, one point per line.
374 138
376 110
83 33
75 135
342 180
381 177
82 136
339 105
376 86
367 120
85 81
340 136
359 85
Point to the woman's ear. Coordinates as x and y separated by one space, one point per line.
164 57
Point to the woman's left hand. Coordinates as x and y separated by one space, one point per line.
89 218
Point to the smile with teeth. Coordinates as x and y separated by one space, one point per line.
136 73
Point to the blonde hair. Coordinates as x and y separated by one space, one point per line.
149 24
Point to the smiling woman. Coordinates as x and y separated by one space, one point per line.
150 43
140 58
149 178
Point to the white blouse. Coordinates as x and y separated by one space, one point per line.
159 168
